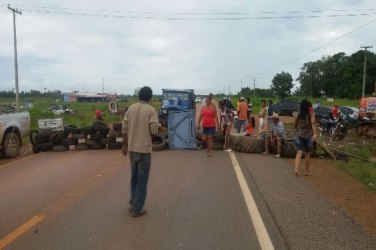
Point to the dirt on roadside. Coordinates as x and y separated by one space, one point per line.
344 190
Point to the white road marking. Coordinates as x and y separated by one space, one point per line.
261 232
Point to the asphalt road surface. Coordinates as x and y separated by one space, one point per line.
79 200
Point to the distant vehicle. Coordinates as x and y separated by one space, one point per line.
322 112
284 107
198 99
13 126
349 111
60 110
175 99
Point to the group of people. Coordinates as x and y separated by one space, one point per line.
271 128
141 122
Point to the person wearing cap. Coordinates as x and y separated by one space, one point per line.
277 135
242 114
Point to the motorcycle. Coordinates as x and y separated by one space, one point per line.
326 126
235 119
341 128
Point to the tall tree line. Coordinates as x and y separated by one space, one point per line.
338 76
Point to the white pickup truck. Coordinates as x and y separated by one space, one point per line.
13 127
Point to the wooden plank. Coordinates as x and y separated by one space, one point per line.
326 150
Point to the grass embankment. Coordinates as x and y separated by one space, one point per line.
364 171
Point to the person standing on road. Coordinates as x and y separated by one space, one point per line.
242 114
210 122
225 124
249 103
139 123
305 124
262 117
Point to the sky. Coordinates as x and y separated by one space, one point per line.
213 46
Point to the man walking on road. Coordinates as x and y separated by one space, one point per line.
242 114
139 123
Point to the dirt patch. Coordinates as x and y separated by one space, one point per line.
347 192
25 151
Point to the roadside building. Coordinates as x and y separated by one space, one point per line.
89 97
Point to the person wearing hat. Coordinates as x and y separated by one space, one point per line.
242 114
277 130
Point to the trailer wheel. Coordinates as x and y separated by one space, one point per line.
158 142
11 145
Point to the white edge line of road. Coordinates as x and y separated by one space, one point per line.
261 232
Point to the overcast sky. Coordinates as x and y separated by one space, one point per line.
206 45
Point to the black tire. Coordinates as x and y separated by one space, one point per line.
199 135
96 146
32 134
118 126
42 137
219 139
247 144
96 137
60 148
36 148
91 141
115 134
72 129
115 145
57 141
46 146
100 127
87 130
107 140
288 149
79 136
217 145
68 142
158 142
82 146
11 145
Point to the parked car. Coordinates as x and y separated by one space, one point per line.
284 107
13 127
322 112
60 110
349 111
198 99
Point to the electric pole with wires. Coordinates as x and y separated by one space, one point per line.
364 69
15 55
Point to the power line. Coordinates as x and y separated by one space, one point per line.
317 48
198 13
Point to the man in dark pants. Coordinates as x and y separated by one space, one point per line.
139 123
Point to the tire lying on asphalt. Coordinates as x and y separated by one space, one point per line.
96 146
115 145
107 140
118 126
82 146
247 144
44 147
100 127
60 148
158 142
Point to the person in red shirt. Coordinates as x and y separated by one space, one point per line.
210 123
98 115
242 114
250 126
335 111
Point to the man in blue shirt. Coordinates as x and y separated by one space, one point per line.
277 136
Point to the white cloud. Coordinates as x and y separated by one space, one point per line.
76 52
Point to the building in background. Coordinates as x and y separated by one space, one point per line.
89 97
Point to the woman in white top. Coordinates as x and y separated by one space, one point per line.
262 117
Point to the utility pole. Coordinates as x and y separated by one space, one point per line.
364 68
229 89
254 87
15 55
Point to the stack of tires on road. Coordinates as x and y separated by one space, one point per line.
98 136
252 144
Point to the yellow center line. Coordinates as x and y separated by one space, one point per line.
22 159
20 231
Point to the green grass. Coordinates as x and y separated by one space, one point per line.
365 172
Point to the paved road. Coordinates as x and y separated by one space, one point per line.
78 200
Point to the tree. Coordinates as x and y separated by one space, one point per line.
282 85
310 78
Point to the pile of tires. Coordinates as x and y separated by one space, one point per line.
73 138
256 145
218 141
